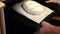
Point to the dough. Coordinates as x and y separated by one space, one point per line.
33 7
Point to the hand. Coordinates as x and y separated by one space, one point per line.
54 1
2 5
49 1
49 29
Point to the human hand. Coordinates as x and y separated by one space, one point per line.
2 5
49 29
54 1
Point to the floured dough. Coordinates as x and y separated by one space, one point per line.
33 7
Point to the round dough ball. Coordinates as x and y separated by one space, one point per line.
33 7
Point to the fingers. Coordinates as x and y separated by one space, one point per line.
45 27
54 1
49 1
57 18
45 23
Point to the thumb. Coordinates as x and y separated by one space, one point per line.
48 1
